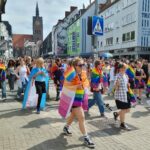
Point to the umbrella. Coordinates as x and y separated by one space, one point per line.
106 55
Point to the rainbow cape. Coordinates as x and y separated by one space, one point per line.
96 77
70 74
130 72
70 95
132 96
148 86
2 66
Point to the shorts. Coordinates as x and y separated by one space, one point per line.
40 87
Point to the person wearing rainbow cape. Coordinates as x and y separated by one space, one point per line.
73 102
3 79
96 88
148 88
38 76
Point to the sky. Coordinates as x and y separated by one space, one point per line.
19 13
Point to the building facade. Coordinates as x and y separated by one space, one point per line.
127 28
59 33
79 42
6 50
46 47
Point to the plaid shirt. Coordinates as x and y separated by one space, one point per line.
121 92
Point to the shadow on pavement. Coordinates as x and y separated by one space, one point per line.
108 127
20 112
139 114
59 143
43 121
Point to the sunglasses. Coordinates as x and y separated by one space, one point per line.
81 65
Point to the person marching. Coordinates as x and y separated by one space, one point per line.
22 73
139 81
57 75
122 96
79 81
40 79
96 88
3 79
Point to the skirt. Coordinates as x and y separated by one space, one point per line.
123 105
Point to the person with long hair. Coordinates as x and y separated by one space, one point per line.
11 74
139 81
122 96
22 73
79 81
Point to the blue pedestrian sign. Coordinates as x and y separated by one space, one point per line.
97 25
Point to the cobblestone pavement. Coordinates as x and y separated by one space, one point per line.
25 130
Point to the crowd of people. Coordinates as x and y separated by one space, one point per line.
127 80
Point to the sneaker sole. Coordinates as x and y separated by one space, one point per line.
89 146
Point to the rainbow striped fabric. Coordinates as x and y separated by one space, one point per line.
70 74
148 86
130 72
96 78
78 100
132 96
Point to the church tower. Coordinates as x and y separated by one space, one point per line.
37 26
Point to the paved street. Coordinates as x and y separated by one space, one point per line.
25 130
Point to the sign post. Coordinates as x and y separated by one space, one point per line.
97 25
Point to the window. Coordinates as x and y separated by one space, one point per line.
143 6
128 36
123 37
109 41
117 40
132 35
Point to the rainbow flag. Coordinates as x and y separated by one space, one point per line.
132 96
2 66
70 74
148 86
130 72
66 100
96 77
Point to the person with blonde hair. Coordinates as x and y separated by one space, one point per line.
39 77
76 77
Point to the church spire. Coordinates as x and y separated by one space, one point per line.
37 10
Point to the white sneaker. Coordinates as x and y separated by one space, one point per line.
4 98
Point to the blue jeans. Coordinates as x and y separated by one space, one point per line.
97 98
3 86
22 90
111 86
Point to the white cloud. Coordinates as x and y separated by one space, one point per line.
20 12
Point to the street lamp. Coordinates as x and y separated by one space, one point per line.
2 7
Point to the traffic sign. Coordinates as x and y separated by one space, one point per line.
97 25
